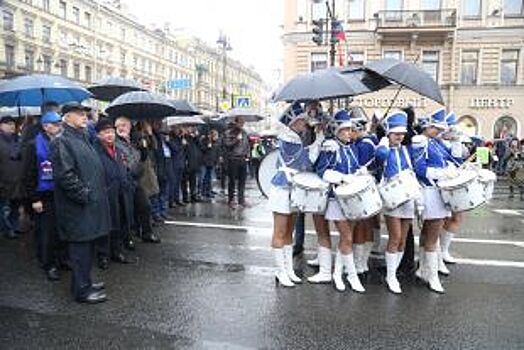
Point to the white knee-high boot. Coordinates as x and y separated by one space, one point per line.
445 243
358 256
352 276
391 272
432 272
421 271
368 246
281 275
288 262
337 273
325 263
442 268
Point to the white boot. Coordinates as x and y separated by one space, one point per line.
368 246
445 243
281 275
391 274
352 277
442 268
432 272
313 262
421 271
337 273
358 255
288 262
325 263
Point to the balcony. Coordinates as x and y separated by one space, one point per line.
416 22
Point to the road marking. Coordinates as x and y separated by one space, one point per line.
497 263
267 230
512 212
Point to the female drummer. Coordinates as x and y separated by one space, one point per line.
431 166
394 158
337 159
293 157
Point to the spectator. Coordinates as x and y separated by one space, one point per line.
80 199
194 161
178 145
515 168
209 147
237 154
257 153
163 167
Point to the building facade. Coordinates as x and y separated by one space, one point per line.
86 40
473 48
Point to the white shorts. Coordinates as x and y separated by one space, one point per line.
434 206
279 200
404 211
334 211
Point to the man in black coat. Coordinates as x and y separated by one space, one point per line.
80 200
194 162
237 155
178 146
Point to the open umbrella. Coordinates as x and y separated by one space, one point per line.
407 75
17 112
141 105
184 107
35 89
184 120
249 115
110 88
328 84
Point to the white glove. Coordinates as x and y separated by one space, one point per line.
384 141
333 176
436 173
330 146
362 171
456 149
451 172
419 141
349 178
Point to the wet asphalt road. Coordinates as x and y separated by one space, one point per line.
209 285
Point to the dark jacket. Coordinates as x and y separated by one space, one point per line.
80 198
235 148
210 151
160 160
11 168
194 154
178 153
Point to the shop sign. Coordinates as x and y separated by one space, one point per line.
491 102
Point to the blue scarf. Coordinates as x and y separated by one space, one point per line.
43 163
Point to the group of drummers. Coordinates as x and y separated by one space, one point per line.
350 178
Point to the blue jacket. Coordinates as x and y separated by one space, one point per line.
391 157
431 156
366 151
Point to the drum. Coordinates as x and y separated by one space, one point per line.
309 193
359 197
487 178
399 189
465 192
266 170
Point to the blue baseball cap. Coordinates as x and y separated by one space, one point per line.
50 117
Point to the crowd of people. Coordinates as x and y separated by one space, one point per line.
89 186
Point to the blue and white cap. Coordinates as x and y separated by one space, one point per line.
50 117
438 119
343 120
396 122
451 119
291 114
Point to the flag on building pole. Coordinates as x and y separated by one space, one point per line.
340 35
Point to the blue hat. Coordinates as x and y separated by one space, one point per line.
451 119
50 117
438 119
343 120
396 122
292 113
423 122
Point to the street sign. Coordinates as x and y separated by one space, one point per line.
225 106
243 101
178 84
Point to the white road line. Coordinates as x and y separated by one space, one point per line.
267 230
512 212
497 263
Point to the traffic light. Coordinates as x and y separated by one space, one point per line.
318 32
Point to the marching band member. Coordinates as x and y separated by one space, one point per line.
337 159
430 162
395 157
293 157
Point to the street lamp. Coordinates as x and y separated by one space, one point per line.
225 44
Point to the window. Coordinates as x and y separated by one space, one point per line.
301 10
396 54
8 20
88 73
431 4
63 68
318 10
45 5
29 60
29 27
47 64
87 18
318 60
508 67
356 10
76 15
469 67
10 57
76 71
430 63
355 58
62 9
46 33
504 126
393 8
468 125
513 8
471 8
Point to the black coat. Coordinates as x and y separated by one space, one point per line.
11 168
194 154
80 199
178 153
210 151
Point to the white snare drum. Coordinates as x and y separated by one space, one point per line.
399 189
359 197
465 192
309 193
487 178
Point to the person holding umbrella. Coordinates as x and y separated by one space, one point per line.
80 199
237 154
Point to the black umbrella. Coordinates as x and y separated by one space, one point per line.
407 75
184 107
141 105
249 115
327 84
110 88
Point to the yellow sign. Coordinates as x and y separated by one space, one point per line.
225 106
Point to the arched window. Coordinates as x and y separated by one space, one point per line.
468 125
505 126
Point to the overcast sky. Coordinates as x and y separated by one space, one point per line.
252 25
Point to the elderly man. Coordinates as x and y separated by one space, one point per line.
80 200
237 154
